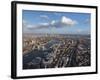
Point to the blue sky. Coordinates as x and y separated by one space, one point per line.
56 22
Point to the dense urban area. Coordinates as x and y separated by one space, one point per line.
56 50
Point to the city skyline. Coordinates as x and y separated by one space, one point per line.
55 22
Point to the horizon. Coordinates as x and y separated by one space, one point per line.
52 34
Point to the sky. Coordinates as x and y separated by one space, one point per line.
55 22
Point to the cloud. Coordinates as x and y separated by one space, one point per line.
68 21
57 14
81 31
53 22
63 22
38 26
87 21
24 21
44 24
44 17
27 27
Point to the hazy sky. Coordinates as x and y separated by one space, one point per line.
56 22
